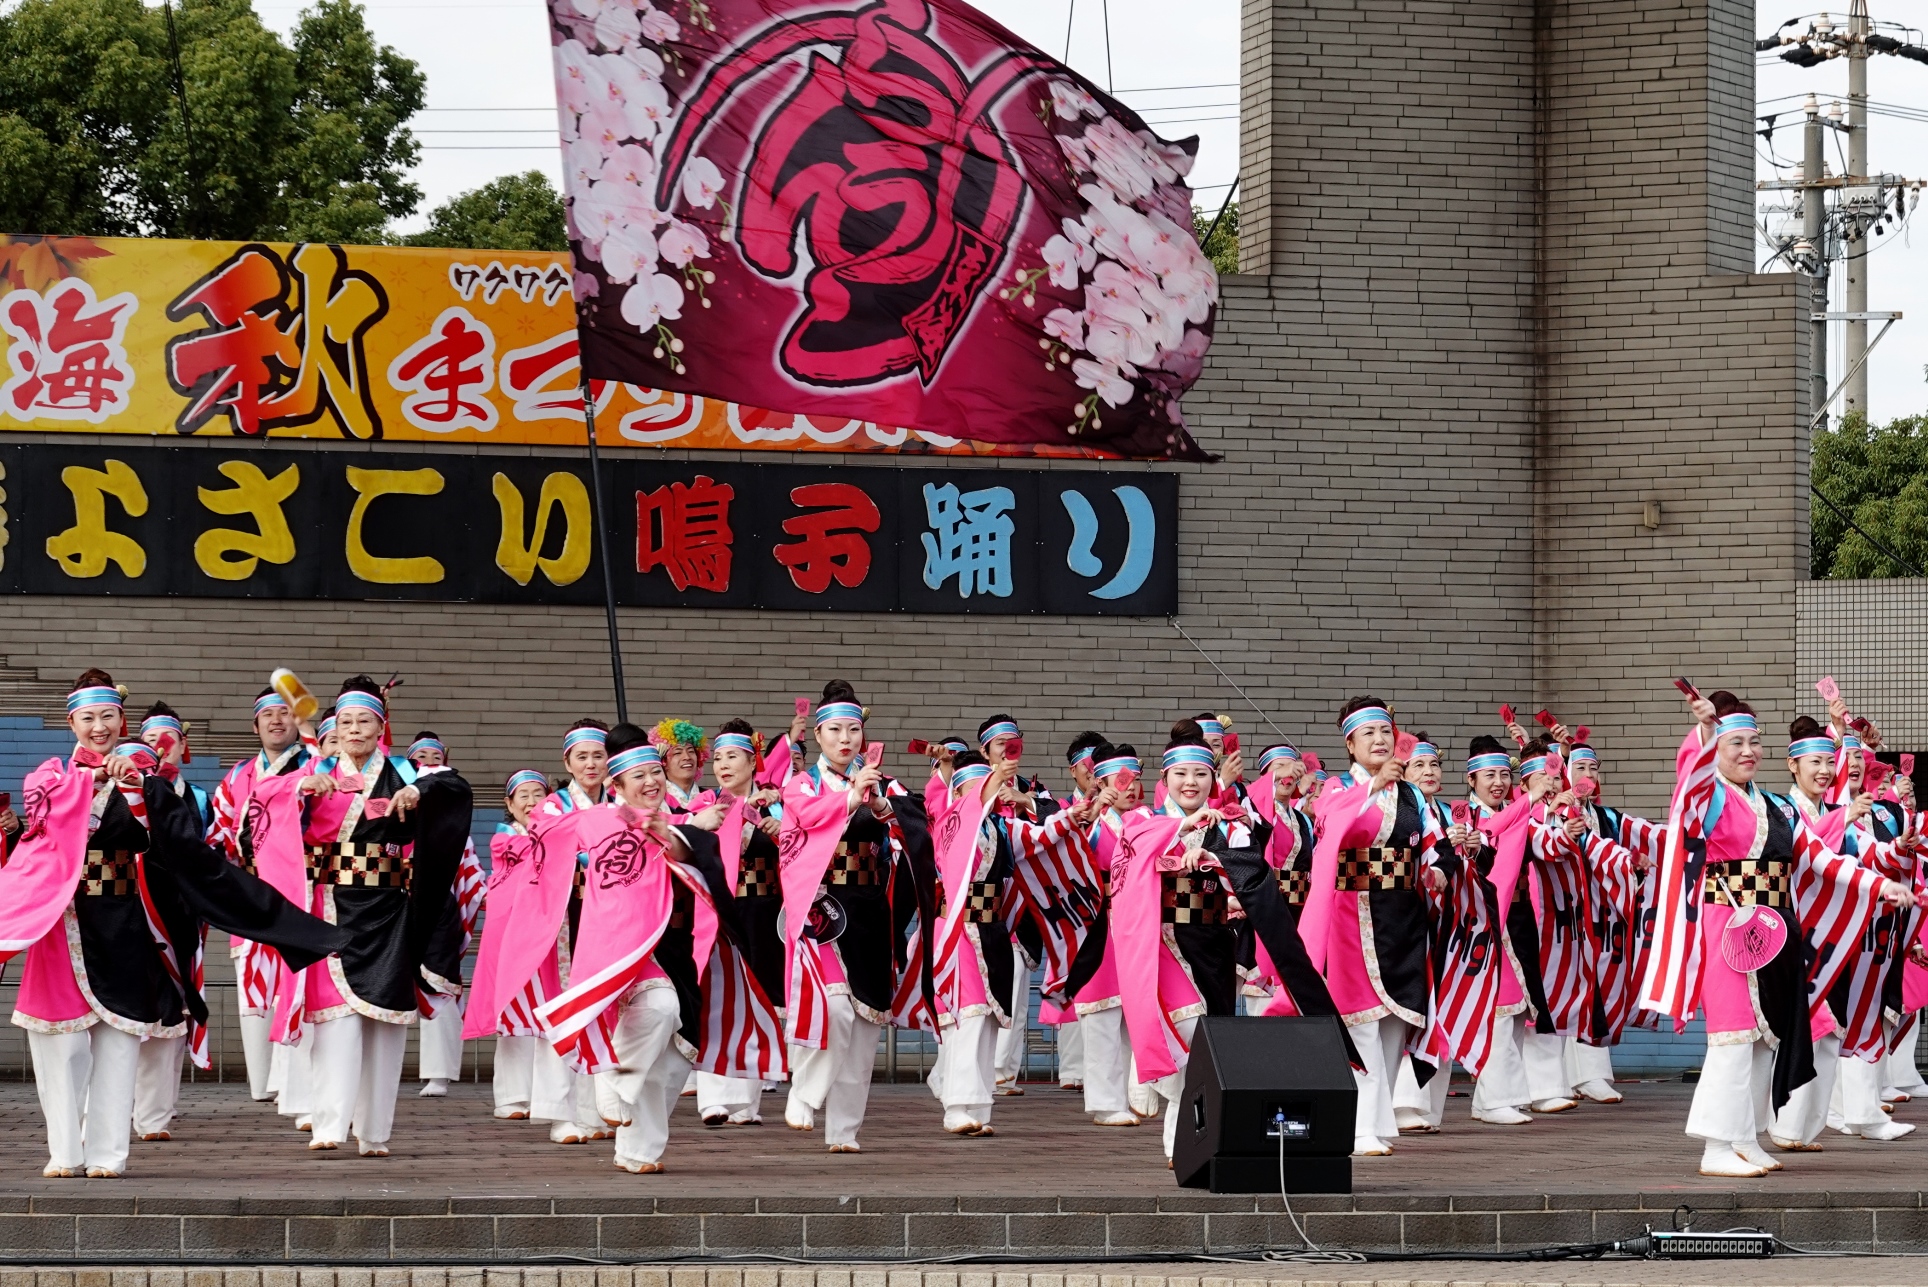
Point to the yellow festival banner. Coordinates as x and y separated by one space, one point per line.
360 343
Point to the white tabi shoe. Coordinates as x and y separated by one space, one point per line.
371 1150
1720 1159
511 1114
1793 1146
1507 1116
1123 1117
1370 1146
1600 1092
1754 1153
746 1117
1553 1105
1882 1132
799 1116
565 1133
1413 1122
434 1088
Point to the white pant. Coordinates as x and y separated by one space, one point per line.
157 1083
515 1061
1429 1101
86 1085
965 1076
1806 1111
1731 1102
1169 1088
1380 1043
1902 1073
1522 1067
1010 1041
1860 1084
258 1053
357 1071
835 1081
557 1093
1107 1060
1586 1063
296 1064
650 1072
438 1052
1070 1054
730 1095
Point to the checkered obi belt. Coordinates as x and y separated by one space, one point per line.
857 863
359 866
1764 882
756 876
1363 870
980 901
108 871
1193 898
1295 885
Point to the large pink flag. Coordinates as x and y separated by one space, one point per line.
38 880
891 211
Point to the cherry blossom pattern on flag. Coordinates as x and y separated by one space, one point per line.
1147 288
613 109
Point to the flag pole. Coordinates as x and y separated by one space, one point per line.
602 539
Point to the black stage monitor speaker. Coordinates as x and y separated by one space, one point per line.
1254 1084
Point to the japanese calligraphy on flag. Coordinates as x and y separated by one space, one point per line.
894 211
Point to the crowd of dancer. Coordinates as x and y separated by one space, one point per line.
643 935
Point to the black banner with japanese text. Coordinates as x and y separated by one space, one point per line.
277 523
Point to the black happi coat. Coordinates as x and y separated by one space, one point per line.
190 883
390 929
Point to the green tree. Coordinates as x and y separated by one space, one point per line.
1880 477
515 212
279 142
1222 248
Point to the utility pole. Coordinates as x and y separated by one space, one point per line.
1814 233
1855 349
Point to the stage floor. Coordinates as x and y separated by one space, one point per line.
238 1180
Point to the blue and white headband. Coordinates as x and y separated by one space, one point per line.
1488 760
1003 728
1423 748
82 698
1212 727
427 744
956 745
168 722
356 700
839 710
733 742
1582 755
634 758
1810 746
326 727
1118 764
578 736
522 778
268 701
1738 722
1849 742
1084 755
1529 767
1364 716
1273 754
968 774
1189 754
136 751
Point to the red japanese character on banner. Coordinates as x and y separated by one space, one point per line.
831 543
446 374
284 344
685 529
68 354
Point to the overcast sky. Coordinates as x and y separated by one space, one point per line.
491 111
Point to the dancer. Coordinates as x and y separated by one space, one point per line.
232 829
1092 984
104 843
1761 860
746 819
682 746
514 1028
1420 1109
382 852
854 829
1002 742
1365 920
1081 761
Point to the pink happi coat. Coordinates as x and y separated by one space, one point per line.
255 965
519 967
1153 985
960 982
813 824
508 851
